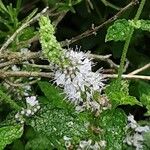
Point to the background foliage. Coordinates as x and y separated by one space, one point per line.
56 114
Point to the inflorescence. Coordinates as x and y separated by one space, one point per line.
135 138
73 71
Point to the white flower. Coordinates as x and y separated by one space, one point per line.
15 68
85 144
132 123
137 141
67 144
28 111
22 112
66 138
142 129
32 101
24 50
131 118
27 87
135 138
17 115
78 80
102 143
95 146
128 140
59 77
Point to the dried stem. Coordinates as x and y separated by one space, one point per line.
126 76
140 69
21 84
18 58
95 29
6 74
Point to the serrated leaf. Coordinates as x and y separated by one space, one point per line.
145 25
144 92
119 31
53 94
113 123
119 95
57 123
140 24
8 134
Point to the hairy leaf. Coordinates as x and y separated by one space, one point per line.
53 94
145 25
38 143
113 123
56 120
119 31
144 91
140 24
119 95
57 123
8 134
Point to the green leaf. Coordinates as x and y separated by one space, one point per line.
26 34
140 24
56 120
119 31
118 93
56 123
6 98
113 123
8 134
135 24
144 92
2 7
53 94
38 143
146 140
145 25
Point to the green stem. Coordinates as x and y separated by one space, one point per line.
139 11
106 3
127 42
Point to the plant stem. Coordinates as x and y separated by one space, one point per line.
106 3
139 11
127 42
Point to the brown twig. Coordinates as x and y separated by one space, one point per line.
6 74
126 76
18 58
20 84
47 67
60 17
8 63
101 57
95 29
140 69
105 58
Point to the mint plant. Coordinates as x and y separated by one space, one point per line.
55 96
